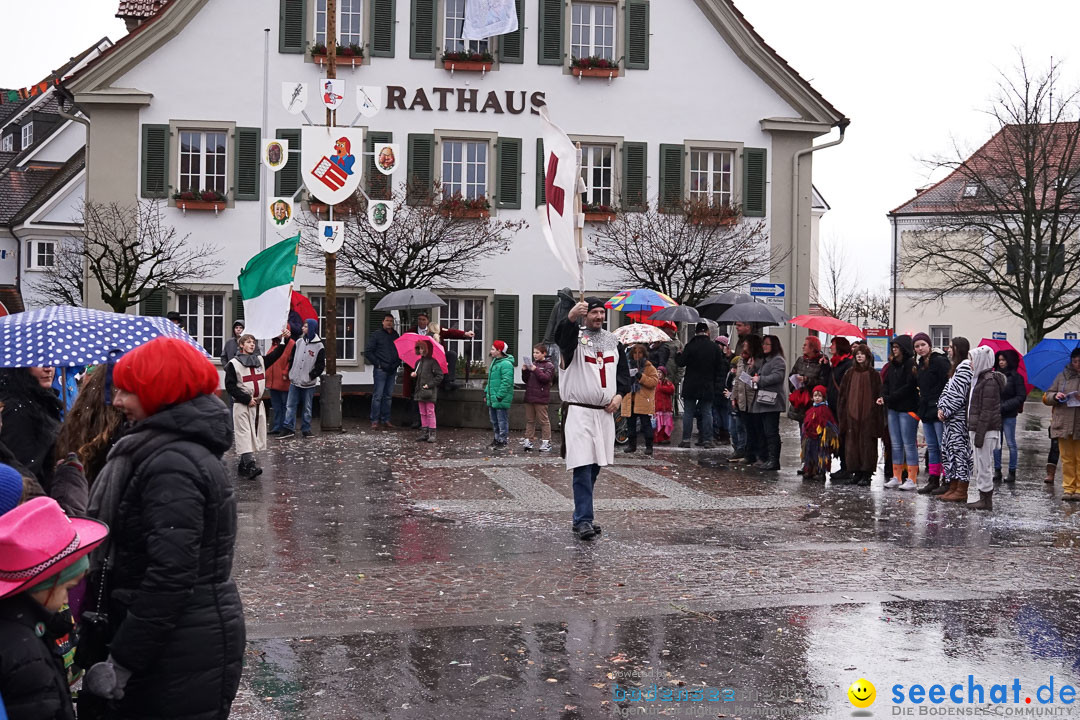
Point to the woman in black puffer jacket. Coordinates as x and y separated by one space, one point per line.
1012 404
900 391
931 372
178 626
31 419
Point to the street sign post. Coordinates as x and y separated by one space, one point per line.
770 293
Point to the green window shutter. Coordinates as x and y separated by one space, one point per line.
754 190
508 173
155 161
374 317
635 176
671 178
421 169
422 30
542 307
237 306
637 34
287 179
248 166
291 26
541 195
383 14
512 45
378 185
156 304
551 32
506 322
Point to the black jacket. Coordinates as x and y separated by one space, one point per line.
31 421
931 374
380 351
178 621
835 378
701 359
900 389
33 682
1014 393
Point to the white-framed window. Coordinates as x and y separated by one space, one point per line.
8 143
27 135
465 314
465 168
598 172
346 323
592 30
454 26
712 177
941 337
971 189
350 22
203 315
40 254
203 160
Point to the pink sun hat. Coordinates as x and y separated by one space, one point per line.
37 540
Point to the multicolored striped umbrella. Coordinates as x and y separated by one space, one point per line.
641 300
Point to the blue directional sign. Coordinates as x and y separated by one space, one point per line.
997 335
771 293
1070 336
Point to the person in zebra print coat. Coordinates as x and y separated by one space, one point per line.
952 411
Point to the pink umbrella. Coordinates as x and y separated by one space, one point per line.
999 345
406 350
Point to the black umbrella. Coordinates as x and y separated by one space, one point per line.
409 299
676 313
753 312
714 306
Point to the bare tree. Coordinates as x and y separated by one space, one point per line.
128 252
426 245
688 255
1003 224
834 289
870 307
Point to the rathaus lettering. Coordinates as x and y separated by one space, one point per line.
464 100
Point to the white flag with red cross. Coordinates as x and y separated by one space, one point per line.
561 180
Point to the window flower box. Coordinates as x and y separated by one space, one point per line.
594 212
456 206
708 215
210 200
595 72
317 208
466 213
594 67
468 61
348 54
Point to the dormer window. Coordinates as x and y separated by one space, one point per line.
27 135
971 190
7 144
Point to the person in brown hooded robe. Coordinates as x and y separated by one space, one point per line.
860 416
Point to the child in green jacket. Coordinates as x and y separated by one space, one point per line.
499 392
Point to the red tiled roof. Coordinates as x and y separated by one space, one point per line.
139 8
999 157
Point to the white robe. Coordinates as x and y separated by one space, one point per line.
249 423
590 379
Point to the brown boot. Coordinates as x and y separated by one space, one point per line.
958 495
985 501
1051 471
945 489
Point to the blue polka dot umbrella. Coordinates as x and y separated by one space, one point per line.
66 336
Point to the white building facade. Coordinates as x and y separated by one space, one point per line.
696 100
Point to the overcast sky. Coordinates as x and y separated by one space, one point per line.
911 76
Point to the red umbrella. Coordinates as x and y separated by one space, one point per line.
406 350
303 307
830 325
999 345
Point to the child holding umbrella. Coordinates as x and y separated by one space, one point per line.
427 376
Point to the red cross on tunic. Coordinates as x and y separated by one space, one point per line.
603 361
555 195
254 377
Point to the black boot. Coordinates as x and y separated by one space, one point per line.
631 446
1011 477
997 475
423 436
985 501
254 470
932 483
648 449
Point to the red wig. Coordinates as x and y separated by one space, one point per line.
815 346
165 371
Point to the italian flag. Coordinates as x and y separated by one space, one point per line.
266 286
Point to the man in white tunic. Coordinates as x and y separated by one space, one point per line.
245 380
593 379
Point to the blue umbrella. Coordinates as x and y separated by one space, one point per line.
66 336
1047 359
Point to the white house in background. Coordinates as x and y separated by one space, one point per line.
42 178
697 103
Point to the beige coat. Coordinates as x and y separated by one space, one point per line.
1064 420
644 400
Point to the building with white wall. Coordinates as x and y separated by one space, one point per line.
697 100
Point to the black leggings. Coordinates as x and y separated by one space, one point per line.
755 437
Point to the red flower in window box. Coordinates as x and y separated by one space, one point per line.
466 208
200 200
350 54
594 67
703 213
468 61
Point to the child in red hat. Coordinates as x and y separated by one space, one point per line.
821 437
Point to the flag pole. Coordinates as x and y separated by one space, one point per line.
579 226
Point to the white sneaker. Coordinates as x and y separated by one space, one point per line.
545 446
527 445
892 483
523 441
909 484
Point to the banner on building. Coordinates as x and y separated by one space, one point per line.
485 18
328 162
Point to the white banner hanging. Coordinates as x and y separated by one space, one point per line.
281 213
275 153
331 235
328 162
484 18
294 97
380 213
370 99
333 92
386 157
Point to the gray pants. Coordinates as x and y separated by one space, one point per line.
984 459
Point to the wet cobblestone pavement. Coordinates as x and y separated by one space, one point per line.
384 578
